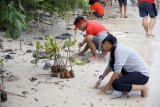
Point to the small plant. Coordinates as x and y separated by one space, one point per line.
69 43
52 47
1 65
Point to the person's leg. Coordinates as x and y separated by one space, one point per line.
125 8
131 81
151 25
91 46
120 7
144 14
125 11
142 88
145 24
152 11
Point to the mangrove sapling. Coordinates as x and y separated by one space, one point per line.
69 43
52 48
3 93
37 58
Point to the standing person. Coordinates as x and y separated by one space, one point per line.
130 72
1 87
96 9
148 7
93 30
123 3
158 4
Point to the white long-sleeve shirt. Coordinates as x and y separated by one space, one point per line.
129 59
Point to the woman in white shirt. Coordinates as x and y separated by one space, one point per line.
130 71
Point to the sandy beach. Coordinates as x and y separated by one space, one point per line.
48 91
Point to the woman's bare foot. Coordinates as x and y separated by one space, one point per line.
144 92
101 93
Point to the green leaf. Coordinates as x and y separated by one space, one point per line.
39 45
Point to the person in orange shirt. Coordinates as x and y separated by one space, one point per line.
96 9
93 31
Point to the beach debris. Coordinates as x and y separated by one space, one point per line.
36 99
39 38
46 66
15 94
63 36
57 82
33 61
8 50
8 57
24 93
32 79
12 53
29 51
12 78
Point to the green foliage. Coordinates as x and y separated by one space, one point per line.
39 45
11 14
69 42
77 61
1 64
15 13
51 45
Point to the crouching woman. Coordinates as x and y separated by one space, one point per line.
130 72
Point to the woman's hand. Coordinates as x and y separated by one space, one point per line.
105 90
98 83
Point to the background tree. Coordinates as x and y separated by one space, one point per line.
14 14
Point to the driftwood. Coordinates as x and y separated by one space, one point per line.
15 94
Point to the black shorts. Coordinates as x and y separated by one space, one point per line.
122 2
146 9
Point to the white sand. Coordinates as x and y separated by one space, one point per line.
78 91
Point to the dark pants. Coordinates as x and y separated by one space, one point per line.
122 2
98 15
146 9
124 83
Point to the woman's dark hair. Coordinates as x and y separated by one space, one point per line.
91 2
110 38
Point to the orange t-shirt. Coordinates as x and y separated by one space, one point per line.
149 1
93 28
97 7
